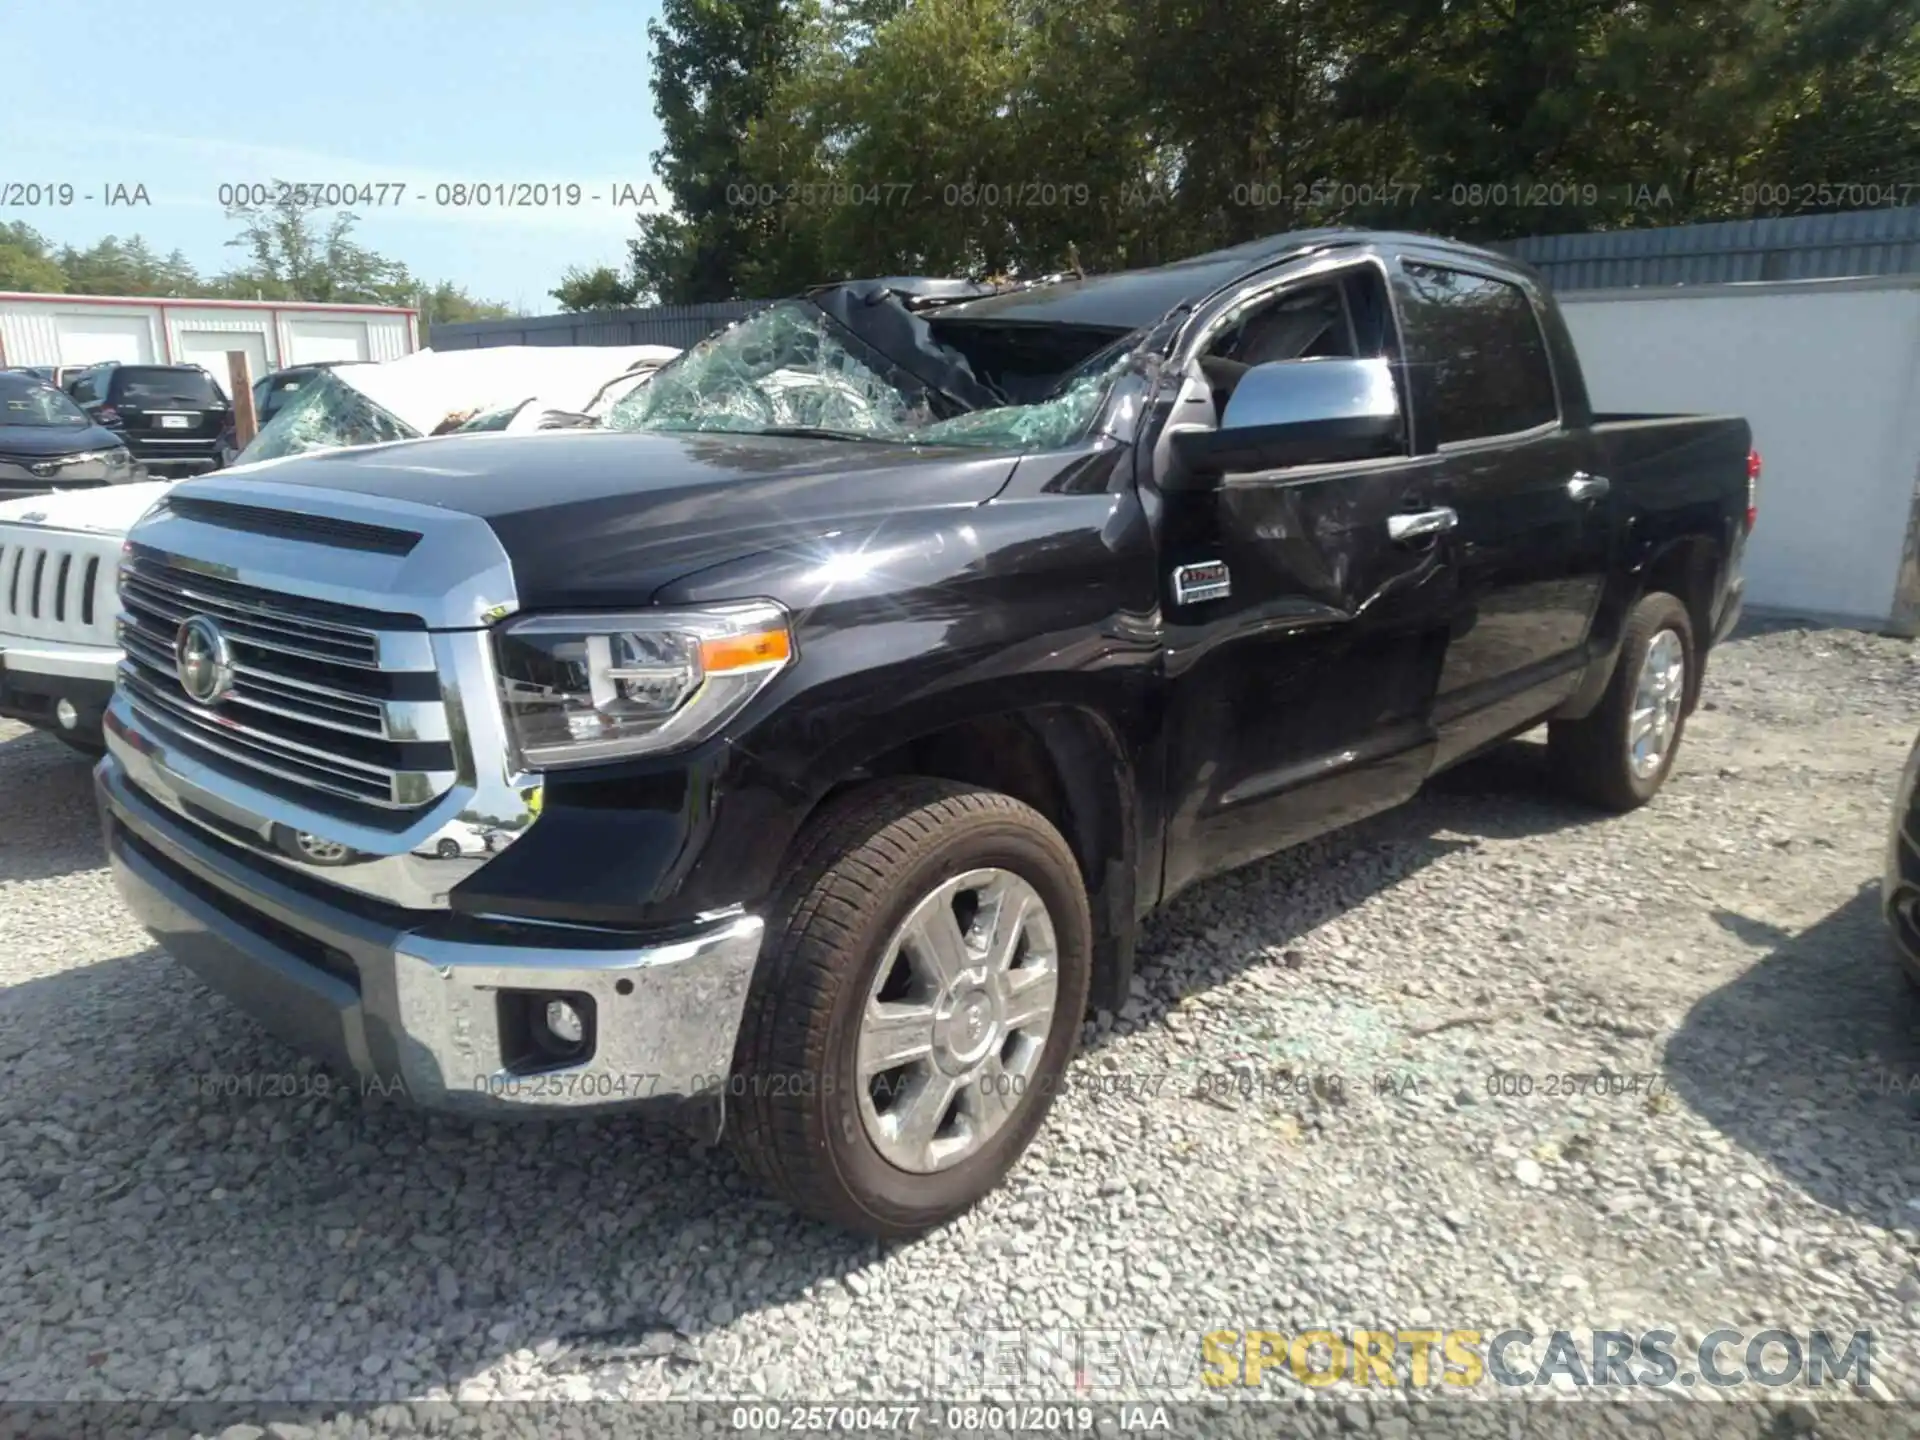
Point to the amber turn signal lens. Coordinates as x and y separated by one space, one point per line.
742 652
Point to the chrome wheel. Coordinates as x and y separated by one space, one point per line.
956 1019
318 850
1657 698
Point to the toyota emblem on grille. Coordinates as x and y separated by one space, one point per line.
202 660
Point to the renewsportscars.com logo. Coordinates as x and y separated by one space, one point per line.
1724 1359
1097 1363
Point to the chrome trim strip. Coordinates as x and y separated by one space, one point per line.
214 723
383 650
243 756
267 691
250 690
245 609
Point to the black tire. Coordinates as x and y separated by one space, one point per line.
1590 757
1898 912
793 1109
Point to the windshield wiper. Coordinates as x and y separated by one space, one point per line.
822 432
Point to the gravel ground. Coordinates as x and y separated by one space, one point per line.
1297 1122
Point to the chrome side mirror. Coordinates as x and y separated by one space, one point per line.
1298 412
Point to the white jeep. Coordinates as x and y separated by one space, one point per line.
60 552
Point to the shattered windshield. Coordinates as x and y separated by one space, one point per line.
25 401
324 414
786 369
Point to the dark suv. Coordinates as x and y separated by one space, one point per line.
174 418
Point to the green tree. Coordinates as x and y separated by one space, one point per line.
715 63
967 136
294 254
601 288
1026 136
1845 132
449 304
27 262
112 266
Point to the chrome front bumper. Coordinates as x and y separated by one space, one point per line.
414 1005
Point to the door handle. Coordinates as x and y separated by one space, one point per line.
1416 523
1587 487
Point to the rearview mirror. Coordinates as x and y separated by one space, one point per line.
1297 412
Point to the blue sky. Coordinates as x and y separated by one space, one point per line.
422 92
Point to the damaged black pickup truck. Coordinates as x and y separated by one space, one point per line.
809 743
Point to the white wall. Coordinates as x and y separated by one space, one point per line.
91 336
202 335
1828 374
310 338
57 330
209 348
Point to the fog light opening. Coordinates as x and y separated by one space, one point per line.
68 716
545 1030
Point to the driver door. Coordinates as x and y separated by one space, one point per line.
1302 683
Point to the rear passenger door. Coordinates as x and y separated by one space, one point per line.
1535 528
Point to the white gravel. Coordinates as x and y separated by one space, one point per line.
160 1240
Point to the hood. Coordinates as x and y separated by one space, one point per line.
36 441
594 518
105 509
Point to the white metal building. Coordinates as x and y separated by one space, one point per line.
83 329
1828 374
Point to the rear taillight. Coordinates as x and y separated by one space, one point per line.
107 415
1753 487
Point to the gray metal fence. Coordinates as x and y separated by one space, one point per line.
680 325
1798 247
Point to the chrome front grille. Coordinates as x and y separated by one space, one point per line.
322 697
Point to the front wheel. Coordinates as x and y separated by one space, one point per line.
919 998
1618 756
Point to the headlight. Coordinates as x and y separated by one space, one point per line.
581 688
113 459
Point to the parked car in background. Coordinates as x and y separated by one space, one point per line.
57 625
47 442
175 419
836 725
